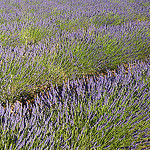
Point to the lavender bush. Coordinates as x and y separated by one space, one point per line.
103 113
54 45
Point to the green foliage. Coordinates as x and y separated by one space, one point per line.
31 35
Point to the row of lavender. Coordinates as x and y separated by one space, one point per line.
87 41
23 22
23 69
103 113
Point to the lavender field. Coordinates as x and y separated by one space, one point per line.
74 74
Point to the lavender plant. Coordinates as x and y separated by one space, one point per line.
53 43
103 113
